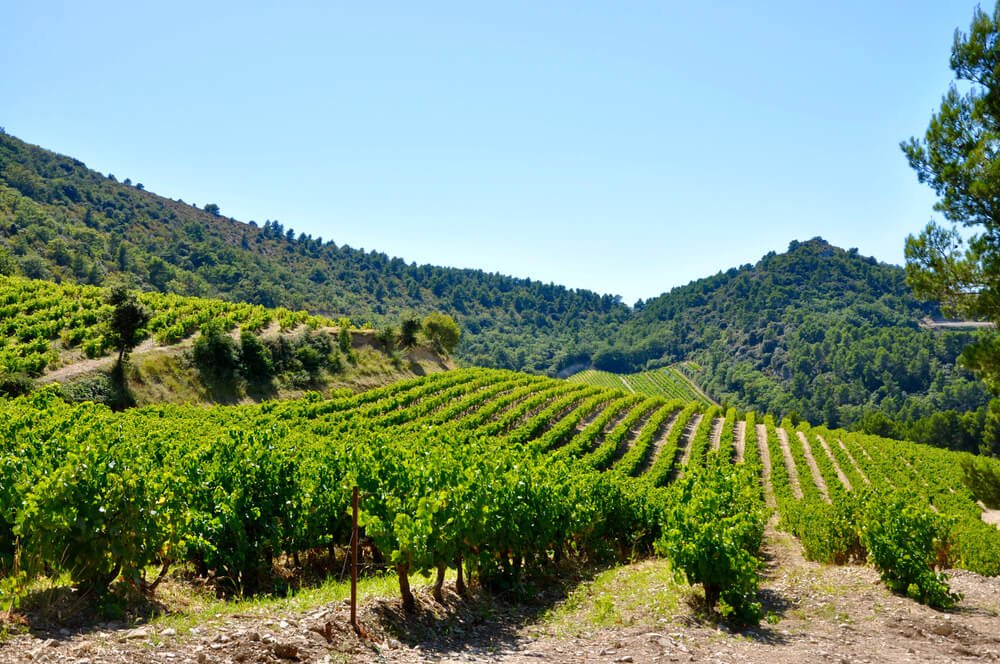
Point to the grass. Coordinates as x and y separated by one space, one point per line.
645 592
199 609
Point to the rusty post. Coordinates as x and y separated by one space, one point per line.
354 562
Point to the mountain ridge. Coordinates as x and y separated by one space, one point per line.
818 332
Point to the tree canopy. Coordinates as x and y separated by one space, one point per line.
958 264
127 318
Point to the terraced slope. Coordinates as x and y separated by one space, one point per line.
40 320
509 468
667 383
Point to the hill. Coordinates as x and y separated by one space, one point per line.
192 349
818 333
60 220
667 382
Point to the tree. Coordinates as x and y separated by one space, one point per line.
212 209
408 330
957 158
128 317
442 331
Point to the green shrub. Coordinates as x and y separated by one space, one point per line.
712 532
829 533
903 539
215 354
255 359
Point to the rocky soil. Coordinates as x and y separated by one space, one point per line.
817 613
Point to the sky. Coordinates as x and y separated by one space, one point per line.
622 147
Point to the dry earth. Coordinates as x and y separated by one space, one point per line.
818 613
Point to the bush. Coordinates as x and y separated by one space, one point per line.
256 363
903 539
442 332
712 533
103 512
215 354
829 533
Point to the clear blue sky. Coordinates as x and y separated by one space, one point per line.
623 147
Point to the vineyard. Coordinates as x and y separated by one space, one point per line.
668 383
497 473
40 319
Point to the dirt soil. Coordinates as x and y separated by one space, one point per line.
817 614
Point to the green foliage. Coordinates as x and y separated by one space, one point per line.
982 476
103 511
215 354
126 321
386 338
442 331
36 314
506 322
830 533
666 382
712 532
956 158
256 363
344 340
903 540
818 331
409 328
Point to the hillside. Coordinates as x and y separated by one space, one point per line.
60 220
519 477
667 382
192 349
818 333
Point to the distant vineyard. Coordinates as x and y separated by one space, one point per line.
667 382
40 318
500 469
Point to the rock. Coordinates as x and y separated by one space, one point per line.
253 636
606 651
626 658
285 650
138 633
170 631
942 629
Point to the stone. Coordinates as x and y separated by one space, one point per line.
285 650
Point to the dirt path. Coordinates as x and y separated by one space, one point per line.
686 440
765 462
817 614
657 445
793 472
854 462
740 440
817 476
634 433
833 461
85 366
716 435
627 386
588 419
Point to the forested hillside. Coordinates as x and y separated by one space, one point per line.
818 332
61 220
